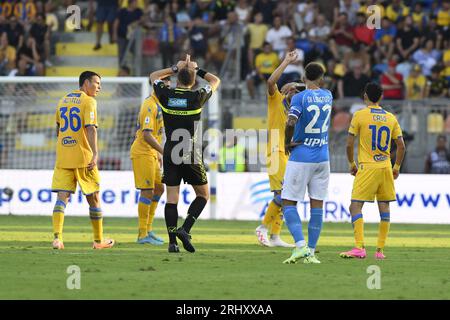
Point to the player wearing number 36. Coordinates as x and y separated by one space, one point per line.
77 155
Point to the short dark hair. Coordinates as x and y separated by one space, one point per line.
186 77
314 71
86 75
373 91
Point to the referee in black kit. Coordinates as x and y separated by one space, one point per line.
182 158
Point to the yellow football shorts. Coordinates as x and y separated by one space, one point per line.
276 167
371 183
147 172
66 180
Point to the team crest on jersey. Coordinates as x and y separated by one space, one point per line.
147 120
68 142
379 157
177 103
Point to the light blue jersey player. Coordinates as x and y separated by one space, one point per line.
308 166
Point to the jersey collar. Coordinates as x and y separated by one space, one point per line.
374 107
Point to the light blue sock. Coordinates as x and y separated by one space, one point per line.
293 222
315 227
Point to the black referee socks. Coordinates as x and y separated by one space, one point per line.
195 209
171 217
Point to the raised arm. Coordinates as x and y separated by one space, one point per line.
275 76
163 73
160 74
213 80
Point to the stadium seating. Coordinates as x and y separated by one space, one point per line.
435 123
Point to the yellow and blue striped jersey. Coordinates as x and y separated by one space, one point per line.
376 128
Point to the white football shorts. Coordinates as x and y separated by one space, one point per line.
302 175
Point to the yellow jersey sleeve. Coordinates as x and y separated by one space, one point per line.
354 125
147 116
90 112
275 98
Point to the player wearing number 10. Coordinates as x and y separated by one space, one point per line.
374 174
76 157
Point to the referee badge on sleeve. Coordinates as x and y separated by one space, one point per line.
92 115
147 120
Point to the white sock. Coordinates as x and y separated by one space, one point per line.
312 250
274 236
300 244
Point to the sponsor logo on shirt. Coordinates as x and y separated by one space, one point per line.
68 142
315 142
380 157
177 103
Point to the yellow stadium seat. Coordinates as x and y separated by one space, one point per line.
106 122
249 123
75 71
435 123
86 49
41 121
69 27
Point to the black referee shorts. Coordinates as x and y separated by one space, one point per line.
193 174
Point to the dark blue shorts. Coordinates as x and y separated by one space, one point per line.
106 13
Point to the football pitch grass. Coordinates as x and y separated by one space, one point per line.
228 264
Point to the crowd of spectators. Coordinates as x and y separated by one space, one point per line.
406 50
25 29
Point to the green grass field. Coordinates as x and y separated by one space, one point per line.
228 264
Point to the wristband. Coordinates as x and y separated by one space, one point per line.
396 167
201 73
174 69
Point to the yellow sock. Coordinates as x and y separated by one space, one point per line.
151 214
58 219
383 230
143 211
277 223
358 229
97 223
271 213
